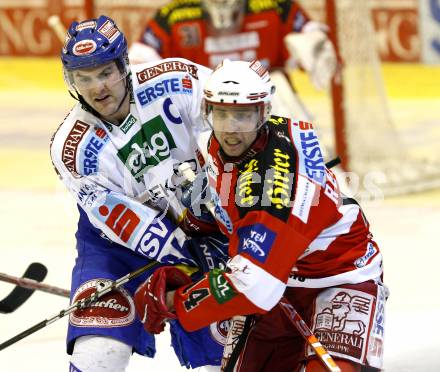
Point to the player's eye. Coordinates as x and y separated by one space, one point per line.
84 79
105 74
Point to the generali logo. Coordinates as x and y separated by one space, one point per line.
342 326
70 146
84 47
162 68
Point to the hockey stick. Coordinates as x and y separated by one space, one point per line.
295 318
85 302
30 283
57 27
308 335
239 329
36 273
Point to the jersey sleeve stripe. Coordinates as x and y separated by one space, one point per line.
259 287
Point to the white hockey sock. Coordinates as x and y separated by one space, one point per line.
100 354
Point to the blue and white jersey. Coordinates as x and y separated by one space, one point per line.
124 177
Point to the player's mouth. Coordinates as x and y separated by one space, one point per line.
232 142
102 99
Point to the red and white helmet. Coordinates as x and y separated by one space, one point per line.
239 84
224 15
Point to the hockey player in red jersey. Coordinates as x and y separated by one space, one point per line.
292 233
208 31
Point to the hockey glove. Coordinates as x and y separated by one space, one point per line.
314 52
150 297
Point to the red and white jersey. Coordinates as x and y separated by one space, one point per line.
124 176
288 223
286 188
179 29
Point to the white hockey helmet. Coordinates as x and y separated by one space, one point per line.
224 15
238 85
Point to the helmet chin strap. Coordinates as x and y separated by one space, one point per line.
127 85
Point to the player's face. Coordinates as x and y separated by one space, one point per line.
103 88
235 128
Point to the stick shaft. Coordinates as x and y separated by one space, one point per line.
308 335
33 284
57 27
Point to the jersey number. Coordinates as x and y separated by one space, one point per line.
195 297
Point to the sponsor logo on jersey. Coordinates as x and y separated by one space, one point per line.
232 43
379 318
155 238
310 149
162 68
235 332
109 30
219 331
171 6
172 85
256 6
256 25
114 309
362 261
90 152
220 287
244 184
212 168
147 148
256 240
220 213
278 120
121 220
375 347
184 14
304 198
84 47
88 194
295 276
128 123
279 180
303 125
70 146
342 321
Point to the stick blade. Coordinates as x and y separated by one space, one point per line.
20 295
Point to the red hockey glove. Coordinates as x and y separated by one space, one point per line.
194 226
150 297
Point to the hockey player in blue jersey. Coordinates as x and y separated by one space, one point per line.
118 152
